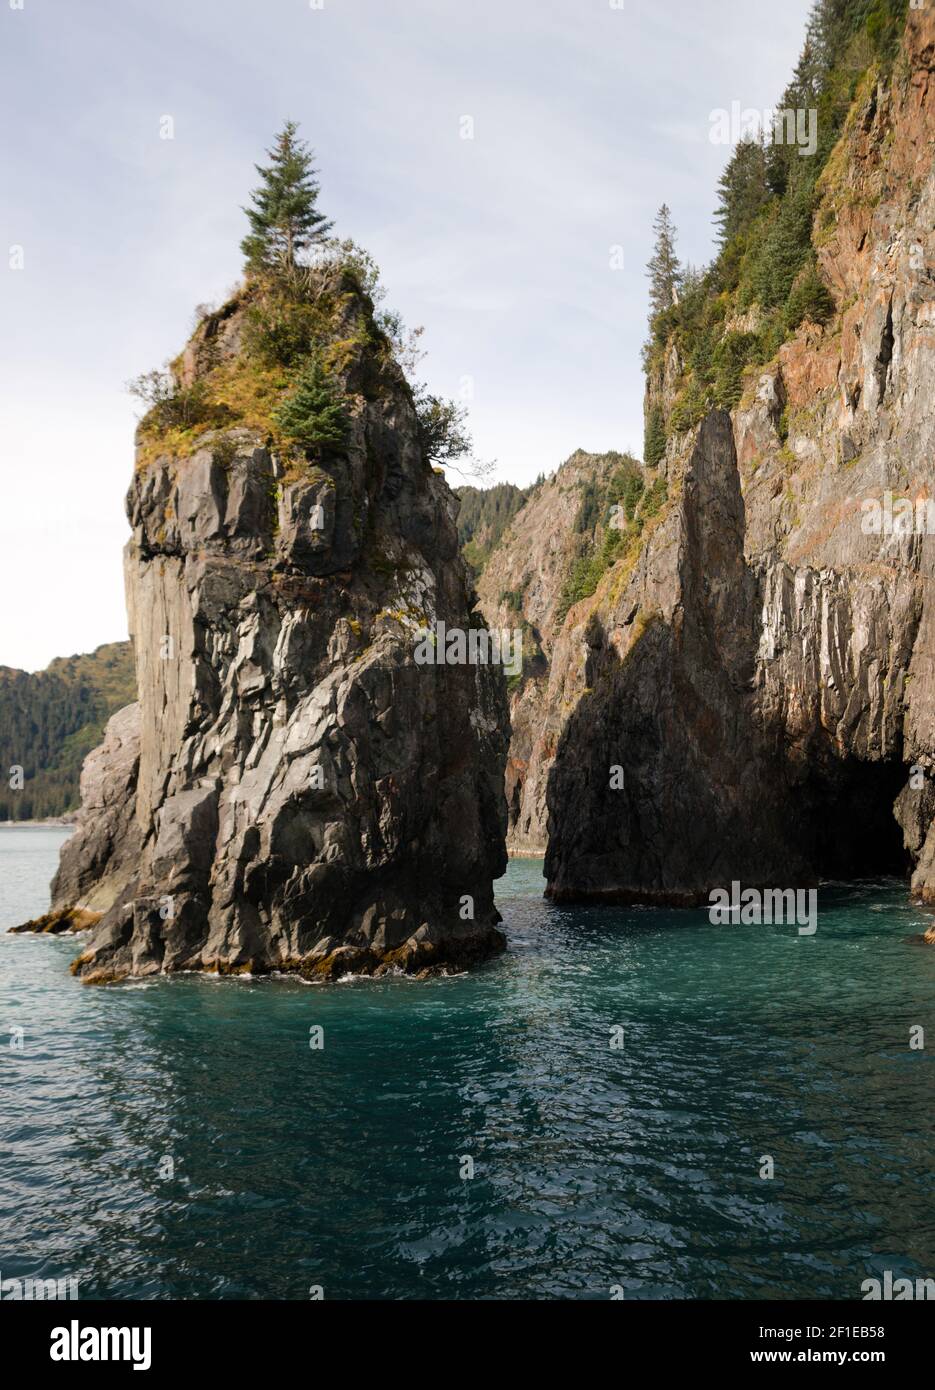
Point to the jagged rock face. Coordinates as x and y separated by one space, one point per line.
658 713
673 775
766 676
308 798
532 562
102 857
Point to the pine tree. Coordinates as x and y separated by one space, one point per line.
313 415
742 190
786 248
284 221
654 444
663 268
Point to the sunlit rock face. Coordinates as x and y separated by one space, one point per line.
522 583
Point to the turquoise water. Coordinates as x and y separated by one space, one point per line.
594 1166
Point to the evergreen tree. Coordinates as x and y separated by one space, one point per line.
810 299
691 279
783 162
663 268
632 493
313 415
284 221
742 190
834 23
786 248
839 32
654 444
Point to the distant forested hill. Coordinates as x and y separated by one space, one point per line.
484 516
49 722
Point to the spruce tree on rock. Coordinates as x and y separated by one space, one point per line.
313 414
654 441
284 221
663 268
742 190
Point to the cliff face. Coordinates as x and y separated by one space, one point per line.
99 861
765 677
307 797
522 585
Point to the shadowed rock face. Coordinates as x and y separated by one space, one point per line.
713 784
307 797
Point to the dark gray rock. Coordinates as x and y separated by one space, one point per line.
100 859
308 798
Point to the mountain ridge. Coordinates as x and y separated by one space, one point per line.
50 721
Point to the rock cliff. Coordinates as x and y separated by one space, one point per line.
763 678
304 795
525 583
101 858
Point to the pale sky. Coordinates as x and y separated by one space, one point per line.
587 114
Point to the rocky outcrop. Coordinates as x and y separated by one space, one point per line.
764 679
674 774
100 859
522 585
309 798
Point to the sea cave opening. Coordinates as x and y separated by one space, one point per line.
847 812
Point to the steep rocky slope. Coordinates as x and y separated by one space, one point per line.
525 584
764 676
306 797
484 513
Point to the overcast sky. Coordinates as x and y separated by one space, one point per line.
587 114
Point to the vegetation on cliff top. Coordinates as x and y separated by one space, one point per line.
609 526
772 203
313 340
50 721
616 505
313 413
284 217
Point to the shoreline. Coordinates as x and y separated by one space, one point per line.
56 822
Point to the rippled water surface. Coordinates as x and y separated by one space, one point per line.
594 1165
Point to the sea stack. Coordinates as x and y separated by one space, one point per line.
304 796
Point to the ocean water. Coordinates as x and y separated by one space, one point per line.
594 1166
